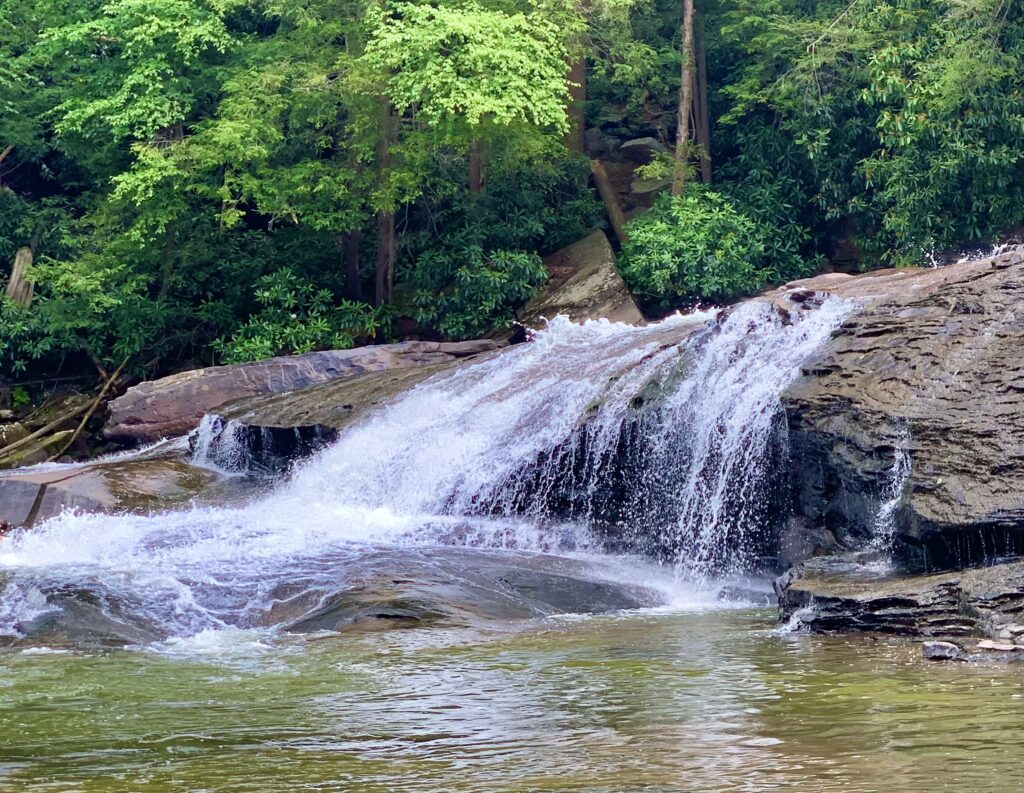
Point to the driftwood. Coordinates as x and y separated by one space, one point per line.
606 190
92 409
20 289
39 433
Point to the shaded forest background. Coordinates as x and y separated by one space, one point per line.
186 182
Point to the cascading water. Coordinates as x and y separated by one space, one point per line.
722 435
677 423
892 496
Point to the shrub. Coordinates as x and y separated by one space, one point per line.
471 260
706 246
696 247
298 317
464 293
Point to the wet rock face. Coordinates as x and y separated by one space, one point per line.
143 485
174 405
826 595
266 434
931 366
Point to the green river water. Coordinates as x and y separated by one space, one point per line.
643 701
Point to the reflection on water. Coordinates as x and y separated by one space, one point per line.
647 701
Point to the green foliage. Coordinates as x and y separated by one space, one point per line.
471 260
695 248
188 170
463 65
465 292
20 398
296 317
909 117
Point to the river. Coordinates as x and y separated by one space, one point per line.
665 700
546 571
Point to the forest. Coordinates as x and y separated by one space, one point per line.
187 182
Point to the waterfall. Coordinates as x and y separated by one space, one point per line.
671 431
884 534
722 433
216 444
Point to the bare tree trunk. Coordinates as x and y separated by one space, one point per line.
606 190
20 289
353 287
576 111
701 118
385 256
385 217
476 167
4 154
685 103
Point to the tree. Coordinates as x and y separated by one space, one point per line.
686 84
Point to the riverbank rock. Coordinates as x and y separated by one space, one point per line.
942 651
265 434
268 433
584 284
174 405
141 485
918 399
830 595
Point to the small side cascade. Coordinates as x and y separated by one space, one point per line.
220 445
893 491
233 447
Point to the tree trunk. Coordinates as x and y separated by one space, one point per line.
685 103
385 217
476 167
385 256
4 154
701 117
20 289
606 190
353 287
574 141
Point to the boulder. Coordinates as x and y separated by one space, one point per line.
828 595
265 434
585 284
917 398
941 651
11 433
140 485
174 405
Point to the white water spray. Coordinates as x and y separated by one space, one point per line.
473 457
884 534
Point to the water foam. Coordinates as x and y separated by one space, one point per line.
465 458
